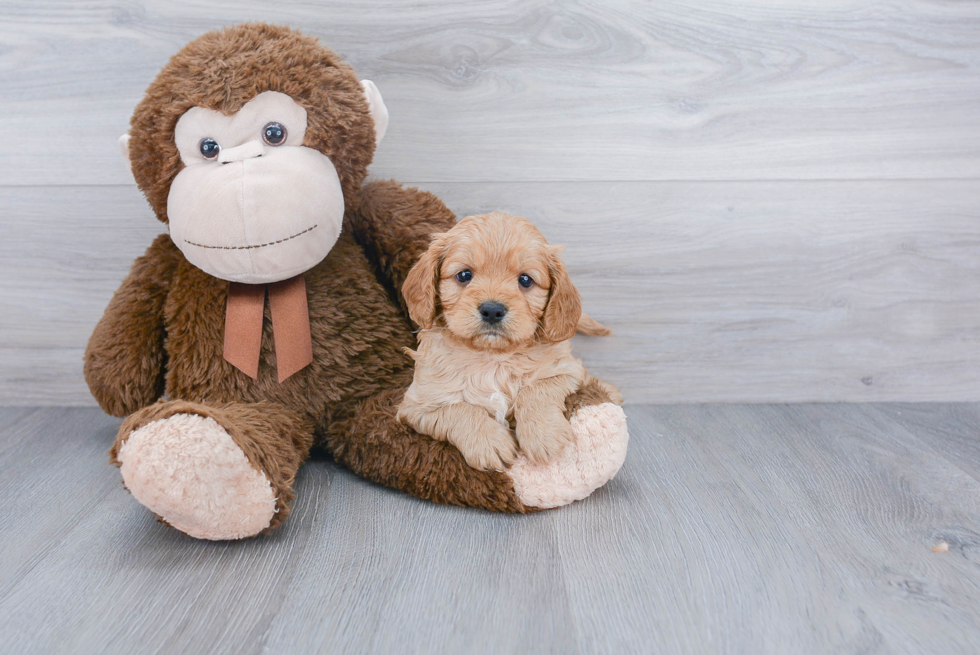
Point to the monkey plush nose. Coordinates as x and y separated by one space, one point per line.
242 152
492 312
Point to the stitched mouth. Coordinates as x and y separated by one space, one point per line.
260 245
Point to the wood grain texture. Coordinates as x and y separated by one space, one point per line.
751 192
768 291
543 90
960 445
730 529
715 291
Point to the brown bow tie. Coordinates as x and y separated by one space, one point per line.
290 326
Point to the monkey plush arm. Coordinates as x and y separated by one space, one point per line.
124 364
395 225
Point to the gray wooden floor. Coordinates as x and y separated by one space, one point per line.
731 529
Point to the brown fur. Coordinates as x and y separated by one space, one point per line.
125 359
275 440
162 333
431 470
224 69
396 228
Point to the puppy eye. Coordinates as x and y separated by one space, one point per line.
209 148
274 134
464 276
525 280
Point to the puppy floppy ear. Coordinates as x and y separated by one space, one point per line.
421 284
564 307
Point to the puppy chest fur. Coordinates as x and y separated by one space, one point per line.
447 373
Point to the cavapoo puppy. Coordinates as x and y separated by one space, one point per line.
497 310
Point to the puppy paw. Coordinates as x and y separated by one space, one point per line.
543 436
490 447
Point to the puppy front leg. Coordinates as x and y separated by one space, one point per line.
484 443
539 411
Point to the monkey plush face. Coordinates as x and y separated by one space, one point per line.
253 204
251 143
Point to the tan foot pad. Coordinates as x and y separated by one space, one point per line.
188 470
590 462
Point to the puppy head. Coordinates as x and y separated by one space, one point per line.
495 283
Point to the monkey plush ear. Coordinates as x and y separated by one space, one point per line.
124 149
378 110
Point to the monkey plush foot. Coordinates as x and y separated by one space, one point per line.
189 471
588 462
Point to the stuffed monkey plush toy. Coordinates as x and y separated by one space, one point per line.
270 319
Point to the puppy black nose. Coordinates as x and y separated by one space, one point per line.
492 312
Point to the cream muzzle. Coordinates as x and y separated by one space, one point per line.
257 213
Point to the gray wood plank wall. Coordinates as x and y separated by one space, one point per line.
767 201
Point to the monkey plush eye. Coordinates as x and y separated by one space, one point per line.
464 276
274 134
209 148
525 280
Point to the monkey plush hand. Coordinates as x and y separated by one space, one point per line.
270 317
